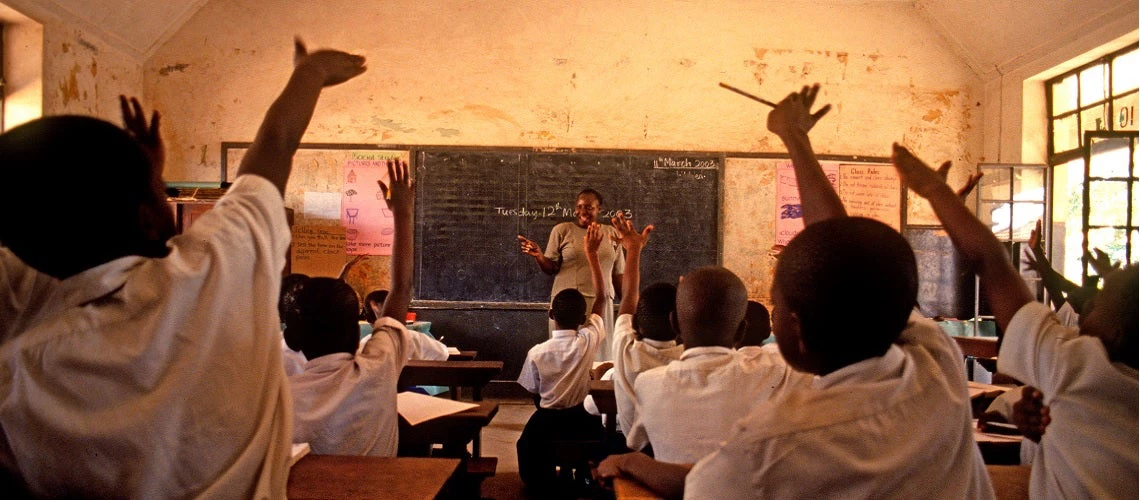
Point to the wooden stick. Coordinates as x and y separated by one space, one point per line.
746 94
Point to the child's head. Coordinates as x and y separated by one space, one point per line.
327 310
758 325
77 192
373 303
568 309
1112 316
657 302
291 286
710 308
843 291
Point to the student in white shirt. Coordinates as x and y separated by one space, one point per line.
287 308
1088 376
345 401
557 372
149 365
757 328
643 336
888 414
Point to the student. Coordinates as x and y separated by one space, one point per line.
373 302
148 365
557 373
1088 377
688 406
757 327
888 414
287 308
643 337
345 401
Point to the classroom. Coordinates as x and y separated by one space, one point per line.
985 85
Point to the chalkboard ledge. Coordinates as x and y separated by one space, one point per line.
466 305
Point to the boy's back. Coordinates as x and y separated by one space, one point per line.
558 370
897 426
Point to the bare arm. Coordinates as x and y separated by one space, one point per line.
665 479
400 197
791 120
532 249
1054 282
1004 288
593 240
348 265
271 154
632 241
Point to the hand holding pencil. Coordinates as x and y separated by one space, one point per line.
793 114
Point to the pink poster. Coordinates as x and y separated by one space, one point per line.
789 211
368 224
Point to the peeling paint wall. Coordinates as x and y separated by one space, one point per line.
627 75
84 75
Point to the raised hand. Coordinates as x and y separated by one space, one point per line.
916 174
1101 262
1030 414
593 239
134 122
793 114
334 66
529 247
971 181
628 236
401 195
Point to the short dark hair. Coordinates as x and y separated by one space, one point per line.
366 312
99 180
568 309
291 286
840 274
656 303
759 326
327 310
592 192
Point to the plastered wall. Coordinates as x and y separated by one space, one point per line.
84 75
627 75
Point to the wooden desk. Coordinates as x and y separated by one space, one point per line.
332 476
998 449
463 356
473 374
1011 482
452 431
603 394
629 489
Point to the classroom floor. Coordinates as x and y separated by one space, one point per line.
499 441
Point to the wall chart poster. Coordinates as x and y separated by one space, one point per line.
367 221
789 211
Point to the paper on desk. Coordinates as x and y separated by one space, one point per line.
417 408
977 389
453 350
299 451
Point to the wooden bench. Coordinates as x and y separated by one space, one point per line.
603 393
453 374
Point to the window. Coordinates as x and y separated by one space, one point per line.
1092 155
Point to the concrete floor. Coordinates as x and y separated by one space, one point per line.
499 441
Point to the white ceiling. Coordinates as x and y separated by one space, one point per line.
990 35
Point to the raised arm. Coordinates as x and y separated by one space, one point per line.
632 241
1054 282
790 121
593 240
532 249
400 196
271 154
1004 288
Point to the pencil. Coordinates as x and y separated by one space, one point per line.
746 94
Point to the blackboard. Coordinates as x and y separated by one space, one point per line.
471 204
946 284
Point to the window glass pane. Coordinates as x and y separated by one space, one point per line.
1029 184
1065 95
1108 204
1025 217
996 216
1125 72
1135 207
994 184
1124 112
1132 253
1093 85
1109 157
1095 118
1111 241
1068 196
1065 134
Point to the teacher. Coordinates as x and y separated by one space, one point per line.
565 258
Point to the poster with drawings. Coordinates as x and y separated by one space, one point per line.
789 210
866 190
367 221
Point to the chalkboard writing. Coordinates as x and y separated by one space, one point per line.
945 283
471 204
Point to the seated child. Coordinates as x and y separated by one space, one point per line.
154 369
557 372
888 414
757 327
643 337
1088 377
688 406
345 401
287 309
369 311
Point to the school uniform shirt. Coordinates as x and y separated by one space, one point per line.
894 426
566 245
631 358
294 361
688 406
558 370
1089 449
345 404
156 377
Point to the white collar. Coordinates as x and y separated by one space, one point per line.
889 365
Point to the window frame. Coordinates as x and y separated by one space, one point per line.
1055 157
